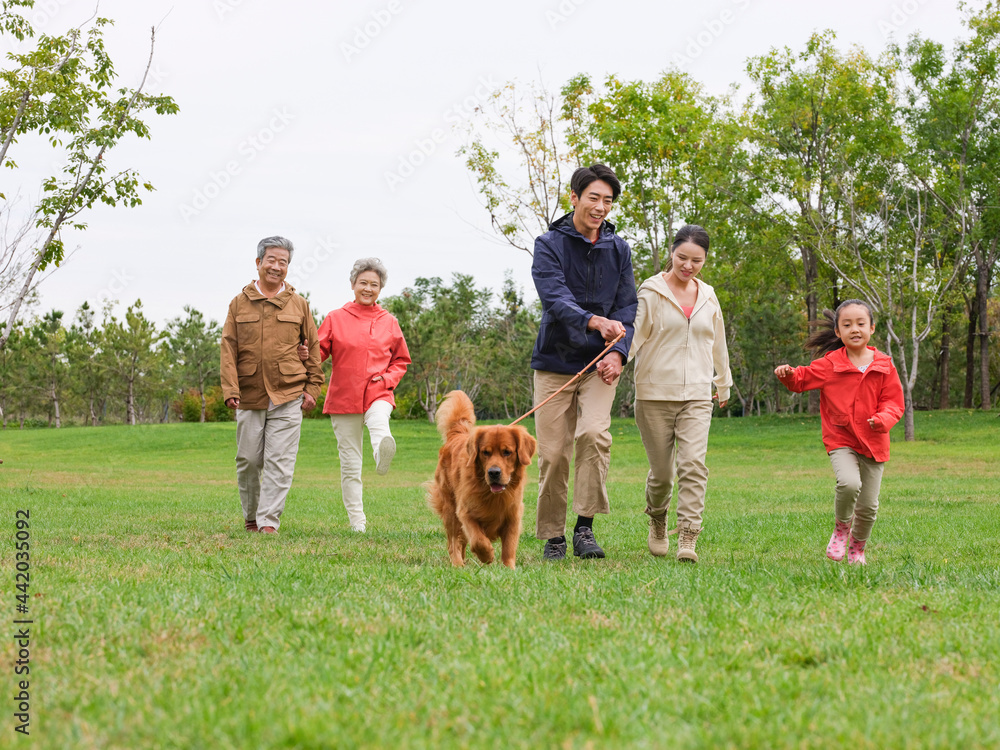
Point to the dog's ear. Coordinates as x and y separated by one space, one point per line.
525 446
472 446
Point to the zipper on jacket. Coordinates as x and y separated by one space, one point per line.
590 276
687 352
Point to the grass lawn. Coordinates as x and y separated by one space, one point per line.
159 622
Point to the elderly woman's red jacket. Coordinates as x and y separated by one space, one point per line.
849 398
362 341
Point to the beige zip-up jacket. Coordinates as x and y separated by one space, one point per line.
676 358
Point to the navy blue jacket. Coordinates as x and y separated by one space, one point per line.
576 280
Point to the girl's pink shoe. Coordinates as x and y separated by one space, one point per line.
856 552
837 547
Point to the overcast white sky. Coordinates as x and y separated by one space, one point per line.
293 114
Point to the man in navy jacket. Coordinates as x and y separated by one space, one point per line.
583 273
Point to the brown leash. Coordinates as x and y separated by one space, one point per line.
571 380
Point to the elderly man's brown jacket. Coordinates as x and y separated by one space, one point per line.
259 341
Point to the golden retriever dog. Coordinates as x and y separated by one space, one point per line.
479 482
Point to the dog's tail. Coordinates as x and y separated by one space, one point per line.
455 413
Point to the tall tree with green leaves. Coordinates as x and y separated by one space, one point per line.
50 337
194 347
954 114
505 346
62 89
813 116
443 326
520 125
133 357
19 369
658 139
88 375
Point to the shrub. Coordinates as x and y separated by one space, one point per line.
187 406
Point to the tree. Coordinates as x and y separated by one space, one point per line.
527 126
814 115
194 345
955 116
88 375
18 374
443 326
507 382
131 350
61 90
897 259
50 337
657 137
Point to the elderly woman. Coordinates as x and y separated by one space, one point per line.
369 357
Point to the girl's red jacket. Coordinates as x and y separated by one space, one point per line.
849 398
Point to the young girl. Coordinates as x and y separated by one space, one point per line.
861 398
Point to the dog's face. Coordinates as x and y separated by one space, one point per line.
500 454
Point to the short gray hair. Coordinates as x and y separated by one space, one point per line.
275 241
369 264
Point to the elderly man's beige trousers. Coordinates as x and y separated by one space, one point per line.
267 441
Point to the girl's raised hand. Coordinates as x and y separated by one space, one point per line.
783 371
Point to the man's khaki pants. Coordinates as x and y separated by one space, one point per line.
581 414
675 435
267 441
859 480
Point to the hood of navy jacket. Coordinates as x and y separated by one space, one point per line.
575 280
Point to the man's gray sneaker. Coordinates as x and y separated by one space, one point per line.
584 544
554 550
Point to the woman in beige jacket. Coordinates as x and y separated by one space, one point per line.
680 351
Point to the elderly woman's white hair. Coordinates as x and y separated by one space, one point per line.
369 264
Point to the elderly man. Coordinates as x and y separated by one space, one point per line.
266 382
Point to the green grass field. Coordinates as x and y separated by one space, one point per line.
159 622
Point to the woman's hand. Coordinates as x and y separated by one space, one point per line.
783 371
377 378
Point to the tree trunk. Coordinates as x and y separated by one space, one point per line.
982 293
55 406
201 392
945 361
429 401
904 366
19 299
130 403
970 352
93 415
810 266
908 432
